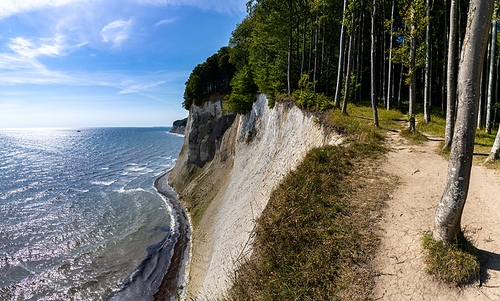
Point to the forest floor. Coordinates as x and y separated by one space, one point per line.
421 172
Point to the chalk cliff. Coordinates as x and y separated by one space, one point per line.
225 173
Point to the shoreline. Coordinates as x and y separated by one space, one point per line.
175 277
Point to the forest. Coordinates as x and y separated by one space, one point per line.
316 50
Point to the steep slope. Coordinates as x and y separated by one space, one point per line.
225 174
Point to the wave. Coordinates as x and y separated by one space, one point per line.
123 190
105 183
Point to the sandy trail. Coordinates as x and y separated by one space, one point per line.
410 212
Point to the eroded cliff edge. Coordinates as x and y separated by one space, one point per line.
225 173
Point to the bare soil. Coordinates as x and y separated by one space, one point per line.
421 172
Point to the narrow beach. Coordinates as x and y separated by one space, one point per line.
174 278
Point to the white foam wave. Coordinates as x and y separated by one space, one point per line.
123 190
105 183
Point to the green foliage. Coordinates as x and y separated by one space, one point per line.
212 76
306 97
456 263
241 99
181 122
414 137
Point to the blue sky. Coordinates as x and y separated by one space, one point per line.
81 63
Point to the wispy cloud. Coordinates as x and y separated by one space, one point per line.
12 7
166 21
225 6
31 49
131 87
116 32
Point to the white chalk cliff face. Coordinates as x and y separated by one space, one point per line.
266 145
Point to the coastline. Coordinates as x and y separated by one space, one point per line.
175 277
163 272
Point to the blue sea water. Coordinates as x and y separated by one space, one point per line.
78 208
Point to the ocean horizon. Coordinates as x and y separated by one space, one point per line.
78 208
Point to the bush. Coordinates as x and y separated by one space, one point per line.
240 101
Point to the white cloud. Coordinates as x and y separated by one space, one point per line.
166 21
12 7
130 87
222 6
31 49
116 32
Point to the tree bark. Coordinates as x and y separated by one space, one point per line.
427 113
449 211
411 71
372 65
451 93
389 79
492 67
349 60
443 89
341 58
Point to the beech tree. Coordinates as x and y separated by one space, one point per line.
492 67
449 211
341 56
372 56
451 93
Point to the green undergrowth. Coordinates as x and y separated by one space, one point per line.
414 137
482 144
457 263
358 124
316 234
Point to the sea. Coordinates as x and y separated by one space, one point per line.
78 208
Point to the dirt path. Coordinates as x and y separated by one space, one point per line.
410 212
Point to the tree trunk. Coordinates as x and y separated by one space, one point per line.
359 50
449 211
400 84
289 63
372 64
315 51
427 113
443 89
341 58
389 79
384 67
349 60
451 93
411 71
492 67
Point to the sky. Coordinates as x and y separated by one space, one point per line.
105 63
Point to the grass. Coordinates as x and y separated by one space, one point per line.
316 236
414 137
456 263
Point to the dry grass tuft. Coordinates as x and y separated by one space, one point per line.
457 263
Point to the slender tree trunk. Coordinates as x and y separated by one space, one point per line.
372 65
389 79
412 71
400 84
443 79
349 60
315 51
362 50
341 58
492 67
451 93
289 65
303 48
358 52
384 67
427 113
449 211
